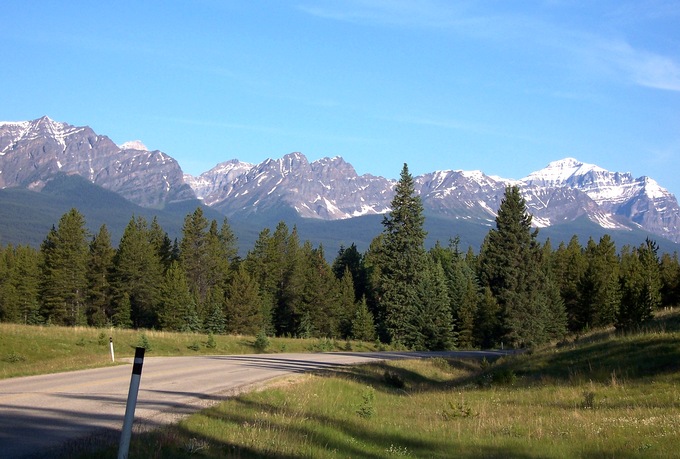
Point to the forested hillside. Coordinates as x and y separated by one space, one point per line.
517 291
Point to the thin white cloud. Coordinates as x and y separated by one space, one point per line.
642 67
585 52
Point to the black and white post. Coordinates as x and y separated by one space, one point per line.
124 446
113 358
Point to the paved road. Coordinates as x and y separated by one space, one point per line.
43 413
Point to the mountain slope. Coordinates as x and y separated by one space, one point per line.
32 152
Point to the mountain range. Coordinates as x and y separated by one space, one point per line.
326 196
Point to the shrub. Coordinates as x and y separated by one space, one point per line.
144 342
211 344
366 408
261 341
13 357
504 376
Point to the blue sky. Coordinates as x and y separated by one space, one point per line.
496 85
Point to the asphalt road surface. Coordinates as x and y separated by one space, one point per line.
40 415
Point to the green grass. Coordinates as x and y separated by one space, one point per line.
604 395
29 350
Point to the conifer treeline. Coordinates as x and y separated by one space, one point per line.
516 291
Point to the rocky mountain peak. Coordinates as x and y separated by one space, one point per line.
34 152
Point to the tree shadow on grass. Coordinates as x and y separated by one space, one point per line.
314 433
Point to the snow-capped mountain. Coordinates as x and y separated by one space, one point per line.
33 152
621 198
329 188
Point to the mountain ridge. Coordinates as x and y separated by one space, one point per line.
33 152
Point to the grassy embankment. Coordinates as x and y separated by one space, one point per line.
30 350
604 395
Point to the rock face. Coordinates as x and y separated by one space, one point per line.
330 189
621 200
32 152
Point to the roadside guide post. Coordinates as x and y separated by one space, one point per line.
124 446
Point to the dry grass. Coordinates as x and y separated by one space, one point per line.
28 350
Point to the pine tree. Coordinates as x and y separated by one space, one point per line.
137 274
265 265
670 280
350 259
599 290
177 309
373 260
215 321
435 324
363 327
569 266
321 293
19 285
194 254
510 267
100 265
161 242
8 297
122 312
463 290
64 270
347 305
243 309
488 327
403 263
641 286
289 299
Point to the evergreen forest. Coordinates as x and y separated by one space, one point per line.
514 292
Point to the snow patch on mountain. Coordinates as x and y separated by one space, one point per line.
133 145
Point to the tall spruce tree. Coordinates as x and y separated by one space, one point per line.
265 265
177 308
670 280
463 290
321 293
351 259
137 277
403 264
19 285
599 289
194 254
64 270
347 304
100 265
435 324
640 286
163 245
569 265
243 309
510 266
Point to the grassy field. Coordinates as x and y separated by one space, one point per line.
603 395
30 350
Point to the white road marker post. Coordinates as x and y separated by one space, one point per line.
113 359
124 445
